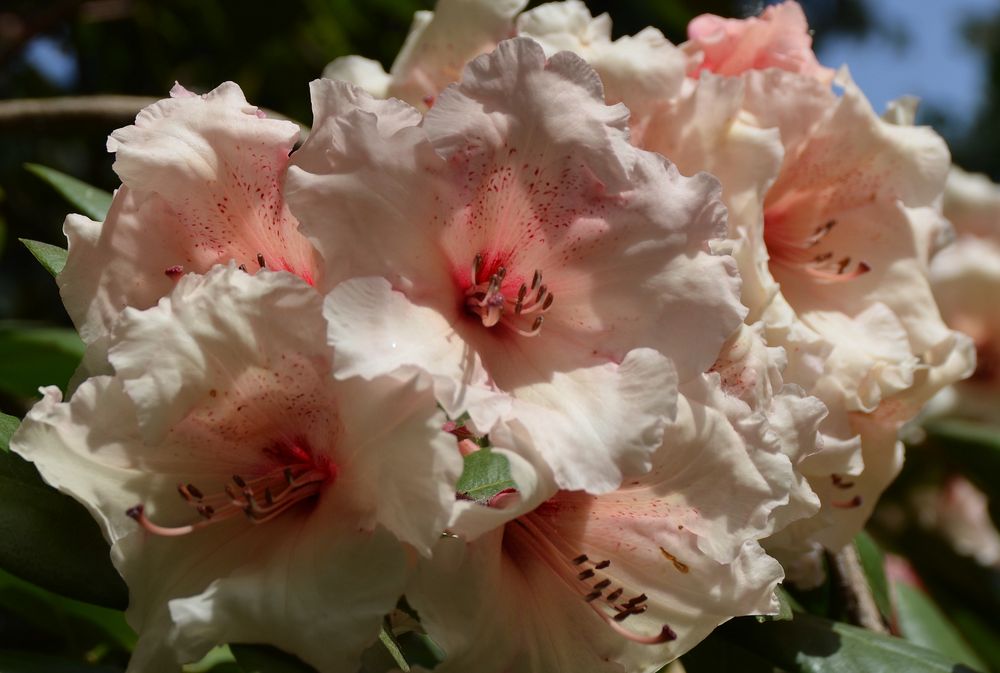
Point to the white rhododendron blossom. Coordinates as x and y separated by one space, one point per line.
834 263
201 185
632 579
248 494
439 45
830 207
513 239
966 281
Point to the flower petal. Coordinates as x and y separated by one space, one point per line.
202 185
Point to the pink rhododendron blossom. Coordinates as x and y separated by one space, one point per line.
631 579
530 246
249 496
436 50
201 185
778 38
966 279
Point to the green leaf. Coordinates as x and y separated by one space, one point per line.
974 447
485 474
217 660
873 565
785 606
420 650
810 644
52 257
267 659
33 662
67 627
8 424
35 356
92 202
49 539
716 654
920 621
982 635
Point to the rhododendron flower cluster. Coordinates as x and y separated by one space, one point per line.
679 294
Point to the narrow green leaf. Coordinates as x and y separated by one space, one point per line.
921 622
873 565
33 662
69 627
217 660
49 539
810 644
52 257
35 356
974 447
8 424
267 659
982 635
485 474
92 202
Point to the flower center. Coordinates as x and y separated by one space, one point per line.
592 580
793 249
299 478
496 302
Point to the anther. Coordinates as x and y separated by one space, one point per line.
477 263
635 600
243 268
593 595
238 480
582 558
614 595
260 260
193 490
603 564
536 280
603 584
856 501
586 574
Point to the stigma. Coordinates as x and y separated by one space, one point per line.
499 300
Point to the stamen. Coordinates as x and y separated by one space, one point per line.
488 300
788 247
281 490
538 536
